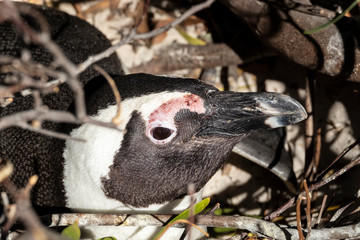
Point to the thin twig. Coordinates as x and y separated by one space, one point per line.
312 188
345 151
298 219
24 212
213 209
317 152
117 118
21 119
309 124
50 133
322 208
145 10
308 208
6 170
191 193
10 65
9 214
182 221
42 114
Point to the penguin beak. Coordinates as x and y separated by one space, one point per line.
236 114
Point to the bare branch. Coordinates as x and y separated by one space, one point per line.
28 70
41 114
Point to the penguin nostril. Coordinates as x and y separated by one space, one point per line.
161 133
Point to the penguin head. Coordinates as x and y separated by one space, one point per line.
173 132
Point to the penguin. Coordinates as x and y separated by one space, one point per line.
173 131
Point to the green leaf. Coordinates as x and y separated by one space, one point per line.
221 230
224 211
108 238
199 207
315 30
191 40
72 232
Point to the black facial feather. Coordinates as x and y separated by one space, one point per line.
144 173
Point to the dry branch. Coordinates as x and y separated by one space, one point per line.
258 226
176 57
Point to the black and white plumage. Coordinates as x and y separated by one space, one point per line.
173 131
202 125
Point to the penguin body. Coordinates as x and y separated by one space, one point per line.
172 131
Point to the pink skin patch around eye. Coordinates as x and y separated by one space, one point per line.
164 115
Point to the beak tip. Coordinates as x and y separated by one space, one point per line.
289 117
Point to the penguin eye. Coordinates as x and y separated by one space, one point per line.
161 133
